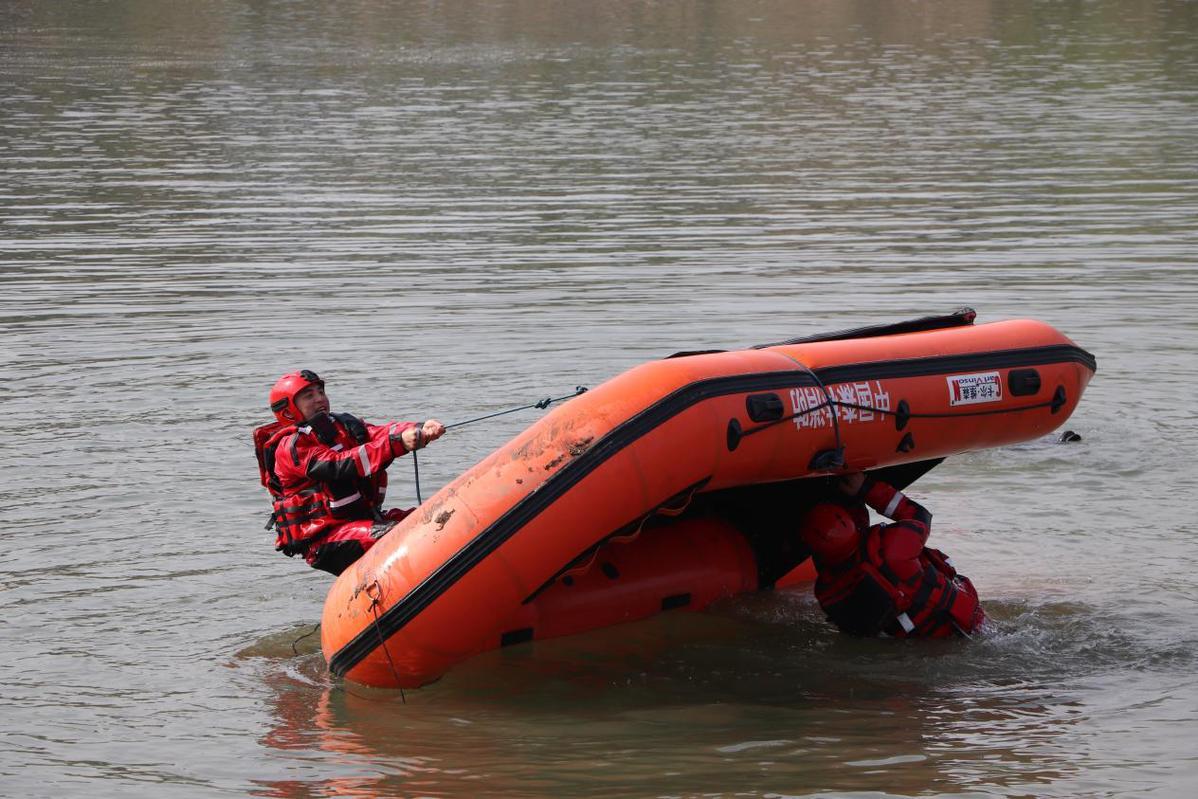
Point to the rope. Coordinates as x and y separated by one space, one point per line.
836 457
541 404
374 609
295 643
416 462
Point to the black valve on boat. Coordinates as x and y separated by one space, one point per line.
827 460
735 434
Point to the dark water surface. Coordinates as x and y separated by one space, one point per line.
452 208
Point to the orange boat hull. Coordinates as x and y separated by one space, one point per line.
516 547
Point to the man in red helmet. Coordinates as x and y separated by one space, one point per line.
883 578
327 473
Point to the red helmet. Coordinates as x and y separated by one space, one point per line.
282 396
831 532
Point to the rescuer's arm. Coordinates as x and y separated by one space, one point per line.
894 504
888 501
383 445
902 541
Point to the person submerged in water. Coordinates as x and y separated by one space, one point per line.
884 579
327 473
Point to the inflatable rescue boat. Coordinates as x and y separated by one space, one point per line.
680 482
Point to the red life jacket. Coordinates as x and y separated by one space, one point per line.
867 598
304 512
266 441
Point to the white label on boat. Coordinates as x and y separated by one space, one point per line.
974 389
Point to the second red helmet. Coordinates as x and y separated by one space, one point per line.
282 396
831 532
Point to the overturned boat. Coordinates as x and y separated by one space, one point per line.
679 482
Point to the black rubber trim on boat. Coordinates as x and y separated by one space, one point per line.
689 353
916 367
461 562
962 317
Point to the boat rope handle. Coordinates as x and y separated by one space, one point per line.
1055 403
1052 403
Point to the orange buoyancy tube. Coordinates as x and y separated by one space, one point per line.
443 584
707 559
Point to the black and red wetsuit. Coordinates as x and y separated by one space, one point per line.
329 483
894 583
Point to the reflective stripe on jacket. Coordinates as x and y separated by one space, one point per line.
331 470
895 584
